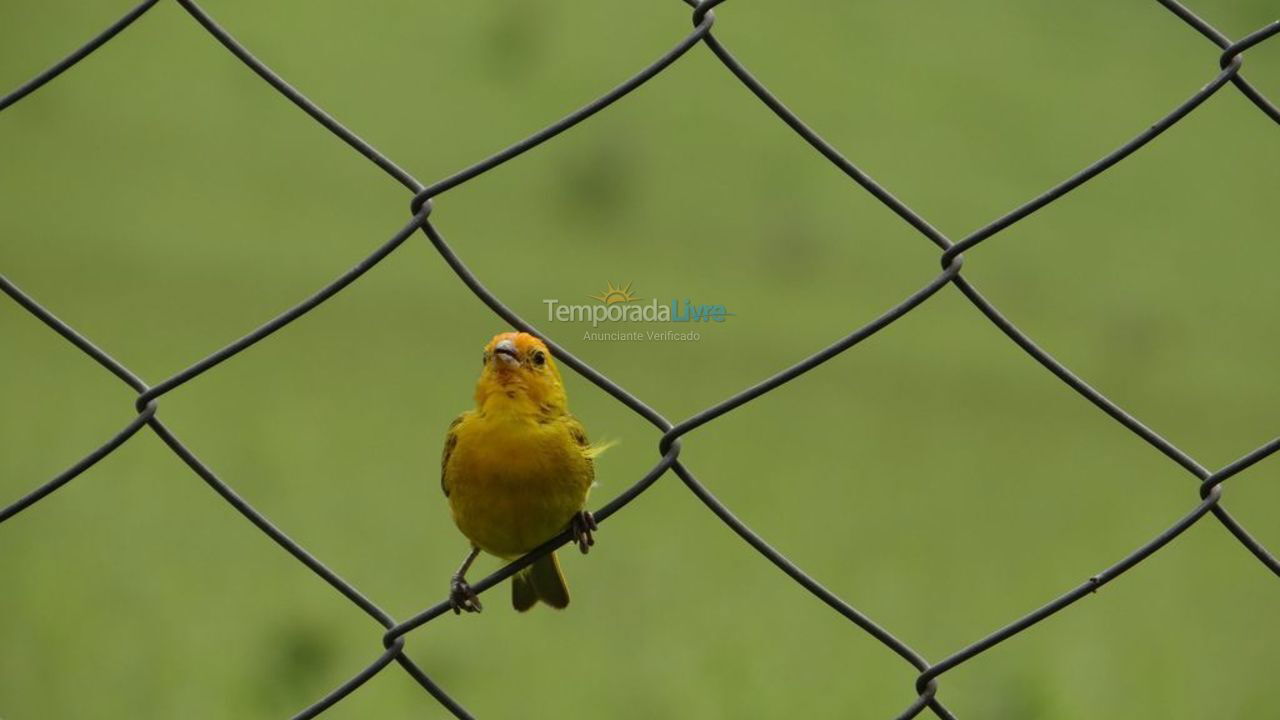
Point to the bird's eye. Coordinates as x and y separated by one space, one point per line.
539 358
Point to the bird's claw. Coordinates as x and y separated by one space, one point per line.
583 525
462 597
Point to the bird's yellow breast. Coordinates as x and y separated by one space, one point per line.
515 480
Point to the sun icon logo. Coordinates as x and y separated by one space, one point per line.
613 295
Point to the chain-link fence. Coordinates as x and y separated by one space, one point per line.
397 631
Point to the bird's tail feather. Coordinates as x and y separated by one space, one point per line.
540 581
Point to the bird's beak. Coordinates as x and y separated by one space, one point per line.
504 354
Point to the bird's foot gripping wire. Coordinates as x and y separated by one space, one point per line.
462 597
583 525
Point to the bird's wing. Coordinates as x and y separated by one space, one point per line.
577 431
450 442
579 435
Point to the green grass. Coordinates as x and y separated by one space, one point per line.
164 200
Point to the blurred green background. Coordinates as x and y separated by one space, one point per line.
164 200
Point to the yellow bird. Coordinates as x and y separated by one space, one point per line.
517 470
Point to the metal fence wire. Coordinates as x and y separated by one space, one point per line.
1210 483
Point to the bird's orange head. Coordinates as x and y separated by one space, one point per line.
519 374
